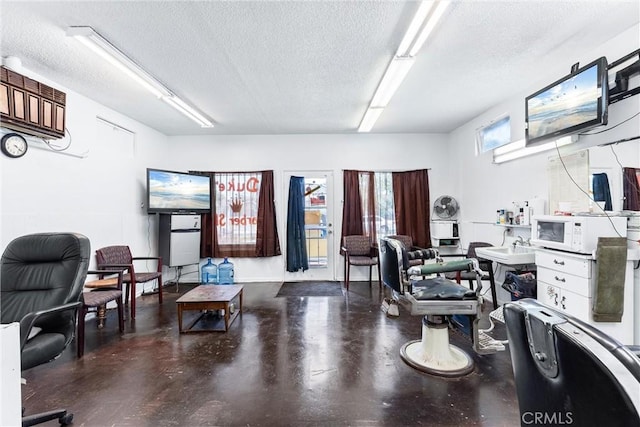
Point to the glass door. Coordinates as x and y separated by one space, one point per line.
318 226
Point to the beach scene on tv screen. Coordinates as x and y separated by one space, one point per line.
567 104
178 191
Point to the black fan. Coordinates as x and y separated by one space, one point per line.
445 207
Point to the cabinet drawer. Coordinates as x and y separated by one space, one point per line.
565 301
564 263
573 283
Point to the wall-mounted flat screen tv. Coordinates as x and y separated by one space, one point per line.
573 104
174 192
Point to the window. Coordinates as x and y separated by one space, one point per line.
243 219
385 210
494 135
396 202
236 197
379 211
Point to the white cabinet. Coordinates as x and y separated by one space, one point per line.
566 282
444 234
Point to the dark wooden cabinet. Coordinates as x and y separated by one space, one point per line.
31 107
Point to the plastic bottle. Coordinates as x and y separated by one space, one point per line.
527 214
210 273
225 272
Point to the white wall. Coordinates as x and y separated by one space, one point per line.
482 187
334 153
95 191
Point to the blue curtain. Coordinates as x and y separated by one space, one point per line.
296 238
601 191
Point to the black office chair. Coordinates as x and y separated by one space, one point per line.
568 372
41 279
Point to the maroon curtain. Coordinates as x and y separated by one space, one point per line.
412 205
267 242
352 206
631 189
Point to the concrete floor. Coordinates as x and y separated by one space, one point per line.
286 361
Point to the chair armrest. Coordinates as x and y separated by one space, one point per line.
137 258
29 320
374 251
121 266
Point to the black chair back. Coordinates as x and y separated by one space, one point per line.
37 273
567 372
392 263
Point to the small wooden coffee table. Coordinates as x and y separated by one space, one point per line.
210 297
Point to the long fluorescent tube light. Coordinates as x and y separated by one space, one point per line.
527 151
414 27
185 109
393 76
422 24
429 26
370 118
98 44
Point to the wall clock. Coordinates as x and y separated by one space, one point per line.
13 145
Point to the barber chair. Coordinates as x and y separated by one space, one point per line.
568 372
41 280
422 290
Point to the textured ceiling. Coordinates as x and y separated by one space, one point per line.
298 67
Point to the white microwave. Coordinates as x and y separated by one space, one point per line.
575 233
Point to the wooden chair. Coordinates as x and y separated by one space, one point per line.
359 251
104 291
120 258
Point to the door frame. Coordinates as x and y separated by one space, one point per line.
314 273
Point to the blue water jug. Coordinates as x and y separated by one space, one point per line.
210 273
225 272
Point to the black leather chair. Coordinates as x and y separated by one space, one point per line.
41 279
568 372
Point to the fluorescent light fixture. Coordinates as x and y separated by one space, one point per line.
98 44
395 74
429 26
511 153
422 24
185 109
414 27
370 118
517 145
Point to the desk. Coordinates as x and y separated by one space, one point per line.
210 297
10 393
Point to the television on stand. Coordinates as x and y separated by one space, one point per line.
570 105
177 192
